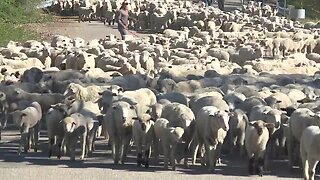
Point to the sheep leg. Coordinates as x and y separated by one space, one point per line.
240 142
139 153
90 141
305 163
83 139
36 136
194 155
166 150
290 149
125 142
251 165
147 156
51 141
72 147
22 142
260 166
172 156
156 152
312 168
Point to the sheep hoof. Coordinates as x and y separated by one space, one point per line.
146 164
35 150
173 168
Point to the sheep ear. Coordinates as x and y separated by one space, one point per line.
132 107
135 118
230 113
73 123
251 123
61 121
100 93
120 89
269 125
265 112
23 114
114 94
278 101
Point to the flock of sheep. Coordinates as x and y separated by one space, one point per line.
243 81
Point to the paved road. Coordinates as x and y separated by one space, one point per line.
37 166
68 26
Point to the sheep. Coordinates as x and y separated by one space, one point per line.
28 121
300 119
309 151
45 100
174 97
89 93
78 126
118 121
143 135
85 13
3 111
256 139
237 123
212 126
53 117
141 98
209 101
182 116
169 138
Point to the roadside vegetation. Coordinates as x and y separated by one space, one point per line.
312 7
14 15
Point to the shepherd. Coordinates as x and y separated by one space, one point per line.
122 19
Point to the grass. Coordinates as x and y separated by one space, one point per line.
14 16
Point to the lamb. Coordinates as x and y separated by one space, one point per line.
78 126
118 121
169 138
212 126
309 151
143 135
28 121
256 138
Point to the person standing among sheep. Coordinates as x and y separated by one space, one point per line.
221 5
122 19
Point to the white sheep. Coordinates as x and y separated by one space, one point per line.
143 135
309 151
169 138
212 126
256 138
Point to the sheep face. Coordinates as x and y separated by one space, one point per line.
222 117
69 125
145 121
126 112
156 111
260 126
176 134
